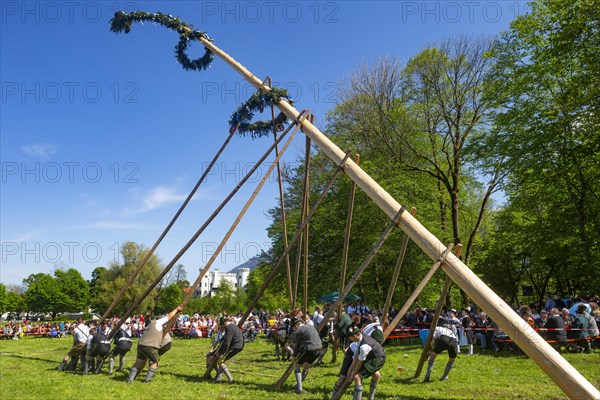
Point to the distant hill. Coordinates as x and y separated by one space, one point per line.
252 263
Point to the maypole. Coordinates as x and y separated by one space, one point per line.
548 359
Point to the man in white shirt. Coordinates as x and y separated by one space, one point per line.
364 358
81 332
443 339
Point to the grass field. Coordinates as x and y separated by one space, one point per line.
28 371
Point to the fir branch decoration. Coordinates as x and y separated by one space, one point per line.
121 23
258 102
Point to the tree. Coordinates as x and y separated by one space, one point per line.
424 118
224 299
273 297
97 277
110 282
169 297
414 126
3 299
545 86
44 294
15 302
75 289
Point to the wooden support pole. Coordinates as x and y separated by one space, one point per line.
252 373
235 223
396 273
298 259
214 256
345 251
549 360
436 316
347 231
293 240
352 371
388 230
193 239
283 217
416 292
143 262
305 210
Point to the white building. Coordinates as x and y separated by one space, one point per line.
210 283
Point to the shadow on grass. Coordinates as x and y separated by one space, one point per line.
31 358
195 378
288 387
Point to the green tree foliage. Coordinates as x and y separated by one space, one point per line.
16 302
273 297
545 86
97 275
43 294
3 299
413 126
110 282
67 291
75 290
169 297
326 237
177 275
224 299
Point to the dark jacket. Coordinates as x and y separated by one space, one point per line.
122 340
232 339
556 326
307 339
581 323
342 325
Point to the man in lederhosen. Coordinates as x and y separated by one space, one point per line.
148 346
443 339
81 332
307 348
364 358
123 344
231 344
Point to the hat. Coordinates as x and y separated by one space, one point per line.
222 320
452 310
442 321
352 330
295 321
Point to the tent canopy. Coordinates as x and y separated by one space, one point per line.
332 297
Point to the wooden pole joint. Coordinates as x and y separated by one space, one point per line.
398 216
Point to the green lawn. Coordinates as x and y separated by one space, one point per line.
28 371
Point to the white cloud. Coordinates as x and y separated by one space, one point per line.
40 150
159 197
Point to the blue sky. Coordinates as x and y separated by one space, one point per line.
103 135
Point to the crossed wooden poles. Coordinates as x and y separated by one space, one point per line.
548 359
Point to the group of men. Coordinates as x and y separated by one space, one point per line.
91 346
364 354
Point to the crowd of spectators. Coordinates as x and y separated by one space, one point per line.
557 319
